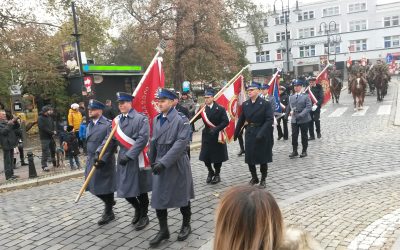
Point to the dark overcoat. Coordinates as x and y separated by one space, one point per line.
211 150
173 187
259 118
103 180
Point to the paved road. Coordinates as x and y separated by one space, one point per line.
346 193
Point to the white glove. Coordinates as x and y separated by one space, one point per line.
314 107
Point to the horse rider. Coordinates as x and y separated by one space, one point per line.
299 109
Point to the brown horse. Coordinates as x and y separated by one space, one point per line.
358 86
381 85
336 88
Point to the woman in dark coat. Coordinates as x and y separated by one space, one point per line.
213 150
258 117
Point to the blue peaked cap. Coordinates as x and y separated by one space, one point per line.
94 104
298 82
124 97
209 92
166 94
265 86
254 85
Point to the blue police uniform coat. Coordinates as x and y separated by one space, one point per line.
173 187
103 180
259 118
301 107
131 181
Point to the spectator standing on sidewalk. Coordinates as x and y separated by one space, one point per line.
47 132
109 111
8 141
72 146
75 120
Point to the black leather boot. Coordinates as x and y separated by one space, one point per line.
303 154
185 229
216 179
241 152
163 234
294 153
209 177
254 179
108 214
144 206
264 173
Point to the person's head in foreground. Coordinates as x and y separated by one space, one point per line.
248 218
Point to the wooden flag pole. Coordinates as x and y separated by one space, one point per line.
221 91
160 50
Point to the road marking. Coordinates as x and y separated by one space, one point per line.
338 112
384 110
374 234
322 111
361 112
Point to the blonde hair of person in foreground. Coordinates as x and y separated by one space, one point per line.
248 218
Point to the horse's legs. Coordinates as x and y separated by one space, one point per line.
355 102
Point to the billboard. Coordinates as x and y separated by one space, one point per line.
70 59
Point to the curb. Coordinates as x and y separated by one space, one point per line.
40 181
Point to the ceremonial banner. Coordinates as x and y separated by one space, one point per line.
231 99
323 79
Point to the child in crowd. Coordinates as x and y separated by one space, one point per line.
71 147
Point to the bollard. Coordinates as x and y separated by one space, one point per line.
32 169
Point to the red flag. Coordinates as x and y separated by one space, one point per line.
323 79
232 99
144 100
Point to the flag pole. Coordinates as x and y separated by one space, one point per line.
221 91
160 50
273 77
320 73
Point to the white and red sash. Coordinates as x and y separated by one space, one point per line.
127 142
221 135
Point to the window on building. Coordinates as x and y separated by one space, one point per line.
356 7
280 36
333 48
307 51
262 56
279 54
358 45
391 21
392 41
264 39
306 15
281 19
265 22
306 32
357 25
332 11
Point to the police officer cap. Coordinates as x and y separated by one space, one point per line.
167 94
265 86
312 78
94 104
298 82
124 97
209 92
254 85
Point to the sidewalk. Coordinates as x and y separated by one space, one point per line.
55 174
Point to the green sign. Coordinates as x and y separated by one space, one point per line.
111 68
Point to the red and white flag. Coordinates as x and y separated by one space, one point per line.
144 102
323 79
232 99
311 95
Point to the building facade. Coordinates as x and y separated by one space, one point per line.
355 29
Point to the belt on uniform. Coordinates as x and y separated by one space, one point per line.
253 125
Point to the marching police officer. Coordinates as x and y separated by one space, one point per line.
267 97
213 149
299 109
284 98
315 113
258 116
133 184
172 175
103 182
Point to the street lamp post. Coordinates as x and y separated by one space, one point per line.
286 18
327 29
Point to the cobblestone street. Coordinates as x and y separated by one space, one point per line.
346 193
